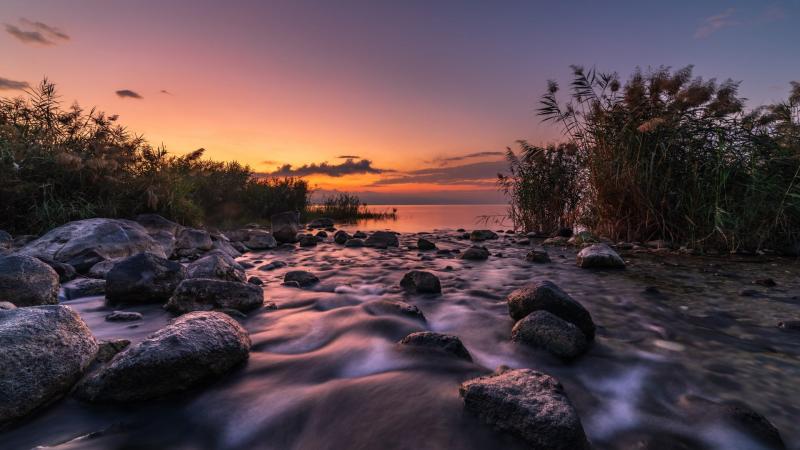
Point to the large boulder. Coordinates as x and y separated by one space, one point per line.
224 245
421 282
482 235
84 243
218 265
528 404
143 278
154 223
599 256
192 242
546 296
27 281
437 343
204 294
382 239
540 329
285 226
260 240
194 349
43 352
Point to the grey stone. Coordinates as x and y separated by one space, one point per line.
599 256
430 341
546 296
84 287
421 282
538 256
308 240
285 226
382 239
482 235
143 278
425 245
123 316
192 242
27 281
204 294
217 265
379 307
475 253
302 277
541 329
260 240
340 237
108 349
354 243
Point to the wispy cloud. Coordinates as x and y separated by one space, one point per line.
36 33
348 157
349 167
715 23
164 91
12 85
482 173
127 93
446 160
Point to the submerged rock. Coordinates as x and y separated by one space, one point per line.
438 343
360 235
425 245
421 282
302 277
546 296
216 265
143 278
26 281
528 404
203 294
194 349
43 350
599 256
483 235
382 239
378 307
285 226
272 266
538 256
475 253
84 287
340 237
542 329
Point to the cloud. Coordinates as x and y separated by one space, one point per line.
269 162
164 91
715 23
12 85
445 160
348 157
349 167
123 93
482 173
37 33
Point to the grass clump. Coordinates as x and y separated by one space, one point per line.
664 156
348 207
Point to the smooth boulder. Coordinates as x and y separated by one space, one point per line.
217 265
421 282
285 226
541 329
192 350
260 240
44 350
302 277
27 281
204 294
599 256
143 278
429 341
475 253
425 245
546 296
382 239
192 242
340 237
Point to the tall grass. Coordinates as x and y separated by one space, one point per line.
664 156
348 207
61 164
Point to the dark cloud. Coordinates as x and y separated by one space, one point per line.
488 195
12 85
127 93
445 160
483 173
348 157
38 33
349 167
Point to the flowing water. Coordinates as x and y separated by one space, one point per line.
325 371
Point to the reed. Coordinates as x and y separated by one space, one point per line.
348 207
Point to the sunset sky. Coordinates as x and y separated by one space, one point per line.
401 102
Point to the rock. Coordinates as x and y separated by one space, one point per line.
6 240
260 240
255 281
599 256
528 404
524 242
378 307
582 238
421 282
482 235
340 237
285 226
192 242
123 316
240 247
84 243
204 294
9 305
556 241
322 222
272 266
107 350
360 235
222 244
65 271
23 240
546 296
542 329
464 236
476 253
425 245
217 265
143 278
84 287
382 239
354 243
44 350
26 281
154 223
301 277
100 269
321 235
538 256
194 349
238 235
308 240
438 343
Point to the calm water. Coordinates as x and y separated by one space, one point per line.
413 218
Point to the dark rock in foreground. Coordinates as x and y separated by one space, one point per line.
204 294
382 239
476 254
542 329
528 404
43 351
421 282
194 349
437 343
302 277
26 281
308 240
546 296
143 278
217 265
65 271
599 256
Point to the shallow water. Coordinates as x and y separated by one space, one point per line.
325 371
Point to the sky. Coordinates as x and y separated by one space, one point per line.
397 101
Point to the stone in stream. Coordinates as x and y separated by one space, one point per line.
546 296
192 242
382 239
193 350
143 278
482 235
360 235
84 287
65 271
430 341
272 266
285 226
204 294
255 281
528 404
556 240
217 265
354 243
378 307
425 245
541 329
44 350
6 305
303 278
224 245
599 256
27 281
123 316
308 240
321 234
322 222
421 282
475 253
340 237
538 256
260 240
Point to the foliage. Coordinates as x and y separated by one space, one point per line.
344 206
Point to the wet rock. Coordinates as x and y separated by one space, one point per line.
123 316
482 235
84 287
379 307
27 281
321 235
340 237
100 269
240 247
438 343
143 278
354 243
382 239
238 235
308 240
84 243
421 282
192 242
222 244
6 305
735 414
302 277
582 238
599 256
322 222
546 296
65 271
216 265
528 404
204 294
44 350
194 349
425 245
475 253
556 241
538 256
255 281
260 240
154 223
272 266
541 329
524 242
107 350
285 226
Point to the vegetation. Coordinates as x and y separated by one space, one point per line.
347 207
666 156
58 165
